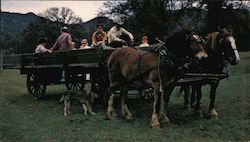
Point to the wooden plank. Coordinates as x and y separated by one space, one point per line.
222 75
84 65
42 66
11 67
82 56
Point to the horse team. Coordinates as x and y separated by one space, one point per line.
160 67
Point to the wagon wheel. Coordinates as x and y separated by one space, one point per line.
35 88
75 81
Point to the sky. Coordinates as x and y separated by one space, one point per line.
84 9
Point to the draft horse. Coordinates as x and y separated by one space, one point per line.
158 68
221 50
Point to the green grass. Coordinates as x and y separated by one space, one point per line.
24 119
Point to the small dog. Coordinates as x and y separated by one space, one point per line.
84 97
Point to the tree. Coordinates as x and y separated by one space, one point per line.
35 31
159 18
49 26
139 14
62 16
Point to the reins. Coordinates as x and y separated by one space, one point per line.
159 60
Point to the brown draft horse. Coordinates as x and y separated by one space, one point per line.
128 66
221 49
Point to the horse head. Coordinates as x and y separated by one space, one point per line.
226 43
186 43
196 44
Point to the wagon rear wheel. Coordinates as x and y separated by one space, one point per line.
75 81
35 87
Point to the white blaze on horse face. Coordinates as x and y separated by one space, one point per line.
233 45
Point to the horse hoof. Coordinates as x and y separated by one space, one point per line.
111 116
128 117
155 124
155 127
190 109
213 114
163 118
199 114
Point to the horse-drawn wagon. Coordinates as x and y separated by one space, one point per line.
70 68
61 67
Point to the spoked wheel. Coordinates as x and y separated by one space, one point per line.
35 87
75 81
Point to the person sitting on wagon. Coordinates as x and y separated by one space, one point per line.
84 44
144 42
99 37
40 48
116 33
64 41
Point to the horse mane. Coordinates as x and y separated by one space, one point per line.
176 42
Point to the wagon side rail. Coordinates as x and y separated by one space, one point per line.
194 78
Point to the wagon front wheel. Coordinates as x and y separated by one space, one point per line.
75 81
35 87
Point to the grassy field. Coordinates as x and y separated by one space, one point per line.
24 119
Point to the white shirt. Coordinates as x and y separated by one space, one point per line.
144 45
114 34
85 47
40 49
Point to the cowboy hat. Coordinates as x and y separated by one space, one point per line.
118 21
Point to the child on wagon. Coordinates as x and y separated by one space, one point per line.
41 46
144 42
99 37
84 44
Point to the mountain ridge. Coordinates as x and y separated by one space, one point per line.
13 24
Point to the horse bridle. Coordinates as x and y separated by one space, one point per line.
195 36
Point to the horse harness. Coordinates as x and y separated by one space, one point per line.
164 60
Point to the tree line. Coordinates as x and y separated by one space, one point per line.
49 26
160 18
154 18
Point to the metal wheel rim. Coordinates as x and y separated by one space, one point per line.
35 88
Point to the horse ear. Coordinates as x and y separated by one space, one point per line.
187 36
230 29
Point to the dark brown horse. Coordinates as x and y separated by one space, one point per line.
221 49
156 69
